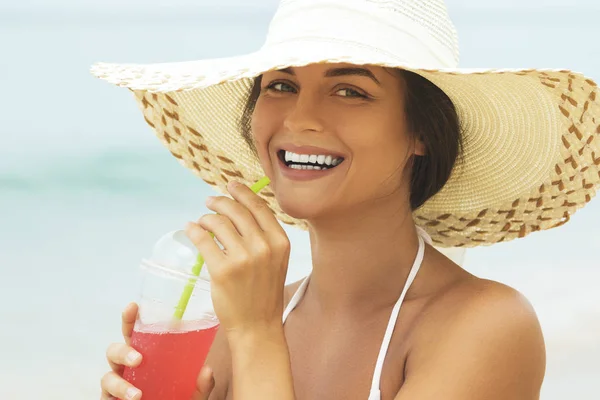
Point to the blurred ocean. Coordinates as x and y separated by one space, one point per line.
86 189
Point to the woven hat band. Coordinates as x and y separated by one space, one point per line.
361 24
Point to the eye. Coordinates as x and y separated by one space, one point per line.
348 92
280 87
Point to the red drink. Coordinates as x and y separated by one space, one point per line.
172 358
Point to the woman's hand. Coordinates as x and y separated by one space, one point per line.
247 285
248 275
205 384
120 355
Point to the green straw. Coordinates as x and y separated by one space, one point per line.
189 287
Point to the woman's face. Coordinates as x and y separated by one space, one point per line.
356 112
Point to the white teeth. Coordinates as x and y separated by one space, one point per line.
312 158
297 166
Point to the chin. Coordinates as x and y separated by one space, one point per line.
298 208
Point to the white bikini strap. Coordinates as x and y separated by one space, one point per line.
421 232
296 298
375 394
423 237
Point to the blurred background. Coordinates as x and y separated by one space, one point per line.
86 188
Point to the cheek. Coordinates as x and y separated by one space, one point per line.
374 134
259 124
264 125
393 148
379 145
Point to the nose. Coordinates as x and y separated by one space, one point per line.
305 115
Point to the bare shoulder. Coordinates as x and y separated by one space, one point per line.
481 301
219 356
484 332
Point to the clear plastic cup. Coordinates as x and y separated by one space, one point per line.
173 350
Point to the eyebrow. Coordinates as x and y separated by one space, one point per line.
341 72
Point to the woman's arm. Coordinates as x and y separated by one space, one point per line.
261 368
219 360
493 349
247 288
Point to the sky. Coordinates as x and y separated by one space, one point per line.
267 4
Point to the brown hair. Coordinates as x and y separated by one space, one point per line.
431 118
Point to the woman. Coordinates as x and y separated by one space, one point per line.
361 139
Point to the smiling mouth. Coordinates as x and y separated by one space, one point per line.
321 162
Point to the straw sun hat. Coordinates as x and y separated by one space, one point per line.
531 137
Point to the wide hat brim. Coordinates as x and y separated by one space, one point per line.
531 153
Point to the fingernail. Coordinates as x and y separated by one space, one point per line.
133 356
131 393
233 184
209 200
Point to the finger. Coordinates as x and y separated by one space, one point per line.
258 207
113 385
106 396
205 243
238 214
120 355
128 318
223 229
204 384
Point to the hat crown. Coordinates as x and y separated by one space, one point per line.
383 24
